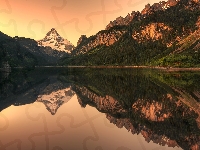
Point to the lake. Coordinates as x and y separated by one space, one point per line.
99 109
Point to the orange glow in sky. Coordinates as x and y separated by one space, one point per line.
71 18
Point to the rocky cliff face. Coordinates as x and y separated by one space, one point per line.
56 42
105 104
162 5
164 34
123 21
101 38
146 11
82 39
152 31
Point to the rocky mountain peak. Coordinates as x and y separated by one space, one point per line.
162 5
52 32
56 42
53 29
81 39
122 21
55 99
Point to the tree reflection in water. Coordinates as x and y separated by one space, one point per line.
162 106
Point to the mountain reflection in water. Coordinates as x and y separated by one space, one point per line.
163 107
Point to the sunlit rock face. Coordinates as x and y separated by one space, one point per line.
55 99
56 42
147 10
152 31
162 5
101 38
122 21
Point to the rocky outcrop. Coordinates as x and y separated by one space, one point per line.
158 6
146 11
152 31
123 21
102 103
102 38
82 39
56 42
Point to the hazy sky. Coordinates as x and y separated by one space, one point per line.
71 18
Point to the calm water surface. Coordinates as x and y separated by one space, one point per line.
99 109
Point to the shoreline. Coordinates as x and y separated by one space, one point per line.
145 67
148 67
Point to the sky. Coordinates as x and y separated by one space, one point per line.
71 18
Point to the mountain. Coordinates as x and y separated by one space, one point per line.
25 52
13 54
55 99
56 42
164 34
147 10
4 36
44 55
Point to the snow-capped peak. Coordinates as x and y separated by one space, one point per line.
55 99
55 41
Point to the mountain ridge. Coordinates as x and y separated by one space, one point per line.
25 52
163 34
55 41
148 39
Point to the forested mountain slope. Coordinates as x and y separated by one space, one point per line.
164 34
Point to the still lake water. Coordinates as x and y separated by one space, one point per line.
99 109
